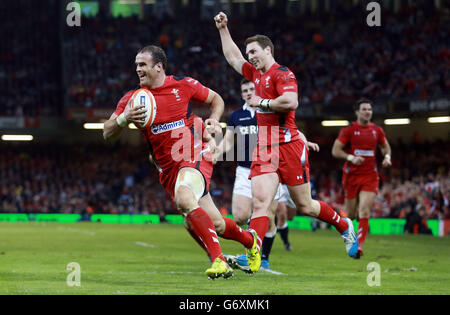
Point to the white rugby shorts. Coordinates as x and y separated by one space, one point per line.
243 185
286 197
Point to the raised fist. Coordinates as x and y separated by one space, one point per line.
221 20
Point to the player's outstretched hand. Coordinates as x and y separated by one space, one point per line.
313 146
221 20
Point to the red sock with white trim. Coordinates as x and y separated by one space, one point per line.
235 233
328 215
203 227
363 229
260 225
197 239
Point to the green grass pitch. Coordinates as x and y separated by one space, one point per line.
163 259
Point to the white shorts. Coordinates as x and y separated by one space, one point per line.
243 185
286 197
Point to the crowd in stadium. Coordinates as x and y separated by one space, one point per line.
29 61
334 61
102 179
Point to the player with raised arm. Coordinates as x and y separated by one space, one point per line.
242 124
275 101
357 144
183 171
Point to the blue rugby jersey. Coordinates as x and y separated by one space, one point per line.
244 125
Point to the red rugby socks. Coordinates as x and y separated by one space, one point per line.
260 225
203 227
234 232
197 239
363 229
328 215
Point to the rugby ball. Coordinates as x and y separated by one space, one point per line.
144 97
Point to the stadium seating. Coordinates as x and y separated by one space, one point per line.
100 179
335 62
30 69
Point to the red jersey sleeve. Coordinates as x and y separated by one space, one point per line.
344 135
285 81
198 91
123 102
381 136
248 70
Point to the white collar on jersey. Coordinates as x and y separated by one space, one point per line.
250 109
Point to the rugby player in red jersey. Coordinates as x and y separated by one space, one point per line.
357 144
184 172
281 156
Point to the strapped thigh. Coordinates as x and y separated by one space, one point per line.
193 179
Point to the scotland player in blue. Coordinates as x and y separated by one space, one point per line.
241 123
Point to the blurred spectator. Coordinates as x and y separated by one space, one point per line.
416 221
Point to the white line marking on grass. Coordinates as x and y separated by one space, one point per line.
170 272
274 272
145 244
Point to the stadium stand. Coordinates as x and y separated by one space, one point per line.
335 62
30 78
100 179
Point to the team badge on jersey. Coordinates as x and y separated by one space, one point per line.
177 96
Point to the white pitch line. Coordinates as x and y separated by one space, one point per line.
274 272
145 244
171 272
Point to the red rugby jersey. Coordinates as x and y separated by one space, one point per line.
270 85
171 135
362 141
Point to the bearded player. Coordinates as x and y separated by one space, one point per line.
357 144
183 171
280 156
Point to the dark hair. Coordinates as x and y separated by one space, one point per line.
262 40
362 101
157 53
245 81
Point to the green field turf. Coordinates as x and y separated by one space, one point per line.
163 259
